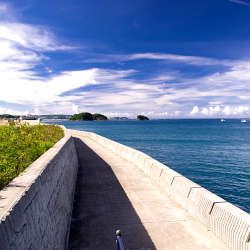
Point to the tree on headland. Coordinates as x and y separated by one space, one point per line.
142 117
85 116
99 117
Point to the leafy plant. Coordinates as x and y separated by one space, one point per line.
20 145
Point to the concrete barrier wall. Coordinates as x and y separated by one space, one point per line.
4 123
229 223
35 208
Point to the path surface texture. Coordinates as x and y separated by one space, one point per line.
112 193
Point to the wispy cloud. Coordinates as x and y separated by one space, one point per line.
240 2
22 50
195 60
192 60
30 37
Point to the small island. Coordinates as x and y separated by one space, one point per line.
85 116
142 118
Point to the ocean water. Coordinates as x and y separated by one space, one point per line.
213 154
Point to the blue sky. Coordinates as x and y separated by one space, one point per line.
164 59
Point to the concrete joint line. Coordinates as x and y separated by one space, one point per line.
191 190
159 177
150 167
174 178
161 172
214 204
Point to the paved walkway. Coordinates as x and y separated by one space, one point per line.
114 194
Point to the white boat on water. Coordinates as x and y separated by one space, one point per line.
243 120
222 120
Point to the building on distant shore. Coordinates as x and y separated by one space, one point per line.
28 117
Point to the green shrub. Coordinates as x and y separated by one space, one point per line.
20 145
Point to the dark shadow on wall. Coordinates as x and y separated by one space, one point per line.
101 206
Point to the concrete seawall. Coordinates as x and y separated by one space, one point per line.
229 223
36 207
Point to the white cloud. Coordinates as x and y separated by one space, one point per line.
227 110
214 109
164 78
229 86
17 88
163 113
242 97
193 60
217 111
22 49
195 110
205 111
30 36
215 103
173 57
235 110
11 111
177 112
240 109
122 92
36 111
75 108
211 110
155 114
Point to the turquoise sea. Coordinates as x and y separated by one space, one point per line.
213 154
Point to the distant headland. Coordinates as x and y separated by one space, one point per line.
85 116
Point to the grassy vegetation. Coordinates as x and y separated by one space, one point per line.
20 145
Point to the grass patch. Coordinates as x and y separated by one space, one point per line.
20 145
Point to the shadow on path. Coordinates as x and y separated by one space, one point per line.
101 207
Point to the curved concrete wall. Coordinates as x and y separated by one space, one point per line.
229 223
35 208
